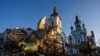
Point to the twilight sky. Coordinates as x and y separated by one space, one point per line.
26 13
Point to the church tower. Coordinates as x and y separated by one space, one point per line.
53 22
56 20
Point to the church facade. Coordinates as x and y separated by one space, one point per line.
78 35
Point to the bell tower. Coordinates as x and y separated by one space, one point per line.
78 24
56 20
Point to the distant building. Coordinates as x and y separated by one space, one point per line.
78 35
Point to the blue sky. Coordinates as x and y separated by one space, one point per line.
26 13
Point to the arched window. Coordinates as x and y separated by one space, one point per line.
52 23
78 41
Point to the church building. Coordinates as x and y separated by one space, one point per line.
78 35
